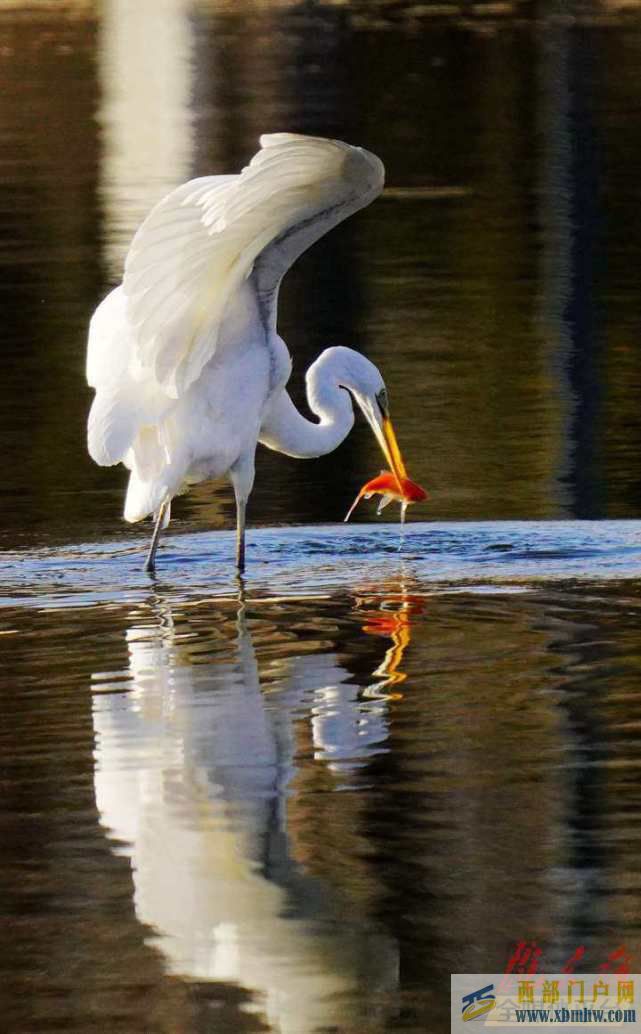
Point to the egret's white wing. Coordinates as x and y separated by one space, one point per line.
129 396
123 404
108 346
202 241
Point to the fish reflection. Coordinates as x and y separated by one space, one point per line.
393 620
194 766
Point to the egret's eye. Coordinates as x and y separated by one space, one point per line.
383 401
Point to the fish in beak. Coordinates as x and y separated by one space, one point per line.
392 484
390 489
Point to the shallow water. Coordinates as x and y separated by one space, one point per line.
309 560
299 803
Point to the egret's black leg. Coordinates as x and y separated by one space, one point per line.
242 478
241 507
150 562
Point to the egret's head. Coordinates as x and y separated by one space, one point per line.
357 375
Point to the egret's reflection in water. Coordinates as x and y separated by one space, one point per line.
194 765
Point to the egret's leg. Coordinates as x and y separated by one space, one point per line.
150 562
242 478
241 508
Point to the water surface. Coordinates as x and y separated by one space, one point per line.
298 804
324 558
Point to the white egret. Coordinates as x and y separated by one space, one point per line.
189 371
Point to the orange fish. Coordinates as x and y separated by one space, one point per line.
390 488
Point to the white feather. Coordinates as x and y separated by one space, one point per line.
200 242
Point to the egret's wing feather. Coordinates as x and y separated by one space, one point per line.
108 348
347 179
123 403
170 283
202 241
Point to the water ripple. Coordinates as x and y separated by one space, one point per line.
313 559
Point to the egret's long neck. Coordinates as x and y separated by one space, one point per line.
288 431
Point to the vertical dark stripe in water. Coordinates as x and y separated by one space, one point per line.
572 221
584 650
583 360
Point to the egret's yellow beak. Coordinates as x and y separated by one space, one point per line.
386 438
392 452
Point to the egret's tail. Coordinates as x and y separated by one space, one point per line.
151 482
111 428
144 498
